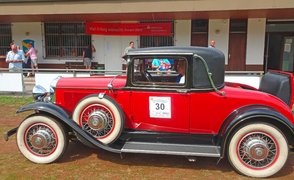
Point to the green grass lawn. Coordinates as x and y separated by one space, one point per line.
9 106
15 100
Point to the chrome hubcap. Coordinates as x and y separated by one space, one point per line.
40 139
257 150
97 120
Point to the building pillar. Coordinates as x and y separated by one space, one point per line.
255 44
182 32
218 30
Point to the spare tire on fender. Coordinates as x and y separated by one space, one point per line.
102 117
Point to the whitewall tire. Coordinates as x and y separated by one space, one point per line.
101 117
258 150
41 139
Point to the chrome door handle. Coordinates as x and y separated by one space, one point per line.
182 90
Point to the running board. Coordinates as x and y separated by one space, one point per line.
171 149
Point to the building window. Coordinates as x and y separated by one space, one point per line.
199 32
157 41
5 38
200 26
238 26
65 40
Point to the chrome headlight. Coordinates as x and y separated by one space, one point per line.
53 87
41 94
54 82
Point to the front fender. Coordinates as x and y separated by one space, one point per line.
45 107
248 114
65 119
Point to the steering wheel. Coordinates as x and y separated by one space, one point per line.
147 76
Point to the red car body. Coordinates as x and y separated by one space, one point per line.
186 110
194 112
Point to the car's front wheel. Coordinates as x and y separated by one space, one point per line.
101 117
258 150
41 139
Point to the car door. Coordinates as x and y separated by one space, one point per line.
160 103
160 111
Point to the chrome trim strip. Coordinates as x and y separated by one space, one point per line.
167 149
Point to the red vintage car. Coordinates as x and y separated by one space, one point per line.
173 100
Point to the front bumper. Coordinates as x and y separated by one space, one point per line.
9 133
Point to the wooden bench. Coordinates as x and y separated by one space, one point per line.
80 65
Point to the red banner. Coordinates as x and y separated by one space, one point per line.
129 29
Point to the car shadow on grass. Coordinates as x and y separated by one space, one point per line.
77 150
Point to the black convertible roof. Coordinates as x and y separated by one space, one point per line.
189 50
204 59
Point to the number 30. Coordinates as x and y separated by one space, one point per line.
160 106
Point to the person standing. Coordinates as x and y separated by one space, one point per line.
131 46
32 53
212 44
87 56
15 58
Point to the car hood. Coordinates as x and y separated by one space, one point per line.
94 82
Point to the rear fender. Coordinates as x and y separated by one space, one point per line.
249 114
64 118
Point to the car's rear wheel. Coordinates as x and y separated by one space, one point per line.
41 139
258 150
101 117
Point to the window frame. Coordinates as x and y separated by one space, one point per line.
4 36
60 34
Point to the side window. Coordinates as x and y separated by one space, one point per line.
159 71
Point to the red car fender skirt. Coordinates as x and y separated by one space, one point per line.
63 117
249 114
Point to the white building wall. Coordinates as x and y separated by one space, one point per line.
110 49
28 30
182 32
218 30
255 41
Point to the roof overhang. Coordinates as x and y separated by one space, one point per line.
237 14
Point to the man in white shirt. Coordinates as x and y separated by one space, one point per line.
15 59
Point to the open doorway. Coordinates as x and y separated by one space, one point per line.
279 53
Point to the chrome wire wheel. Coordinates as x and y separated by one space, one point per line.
41 139
97 120
258 150
101 117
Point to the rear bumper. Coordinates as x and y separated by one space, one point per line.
9 133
